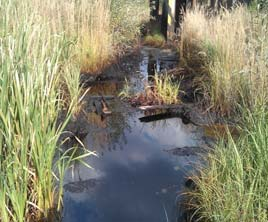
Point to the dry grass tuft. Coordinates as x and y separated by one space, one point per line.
231 51
163 90
155 40
96 29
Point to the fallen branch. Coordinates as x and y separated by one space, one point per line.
161 116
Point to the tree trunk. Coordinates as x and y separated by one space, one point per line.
154 7
164 19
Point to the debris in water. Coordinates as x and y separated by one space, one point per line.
105 108
80 186
186 151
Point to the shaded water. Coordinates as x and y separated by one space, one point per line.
135 178
153 61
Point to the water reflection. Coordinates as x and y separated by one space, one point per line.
106 88
134 178
154 60
107 133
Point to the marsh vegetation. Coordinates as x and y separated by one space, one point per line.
45 48
229 52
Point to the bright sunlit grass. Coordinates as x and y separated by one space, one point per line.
44 45
155 40
166 90
36 76
233 185
231 50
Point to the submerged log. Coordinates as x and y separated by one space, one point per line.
161 116
186 151
82 185
180 112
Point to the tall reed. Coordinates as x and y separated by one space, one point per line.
232 49
233 185
98 27
44 45
33 60
86 23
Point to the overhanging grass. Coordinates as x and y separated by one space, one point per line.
233 187
31 60
98 29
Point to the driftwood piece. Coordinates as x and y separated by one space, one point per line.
161 116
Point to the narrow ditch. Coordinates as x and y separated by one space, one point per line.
143 162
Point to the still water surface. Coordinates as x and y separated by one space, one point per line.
134 178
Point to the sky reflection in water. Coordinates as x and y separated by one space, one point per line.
134 179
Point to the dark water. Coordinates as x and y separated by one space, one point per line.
153 61
134 178
159 60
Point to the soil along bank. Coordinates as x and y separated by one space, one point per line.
228 53
41 55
